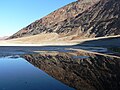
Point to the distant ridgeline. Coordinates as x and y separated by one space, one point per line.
83 18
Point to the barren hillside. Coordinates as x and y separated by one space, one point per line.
54 22
79 20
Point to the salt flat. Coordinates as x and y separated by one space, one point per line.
54 39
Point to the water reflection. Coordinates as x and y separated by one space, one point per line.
80 70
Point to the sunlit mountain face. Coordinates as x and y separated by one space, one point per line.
78 20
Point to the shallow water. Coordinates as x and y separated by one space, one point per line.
18 74
58 68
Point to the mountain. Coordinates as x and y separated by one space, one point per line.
4 37
78 20
54 22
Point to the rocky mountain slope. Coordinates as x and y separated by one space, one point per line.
55 20
83 18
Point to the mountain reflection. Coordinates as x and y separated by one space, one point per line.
87 71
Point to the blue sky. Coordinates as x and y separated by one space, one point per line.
16 14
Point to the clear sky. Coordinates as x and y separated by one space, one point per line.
16 14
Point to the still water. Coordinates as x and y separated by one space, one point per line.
18 74
59 68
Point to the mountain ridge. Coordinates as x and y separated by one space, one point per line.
55 18
91 19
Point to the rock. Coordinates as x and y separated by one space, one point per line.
83 18
55 20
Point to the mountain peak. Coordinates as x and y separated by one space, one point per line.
83 19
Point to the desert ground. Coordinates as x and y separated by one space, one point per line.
55 39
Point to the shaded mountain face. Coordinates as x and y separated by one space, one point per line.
80 70
102 19
83 18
